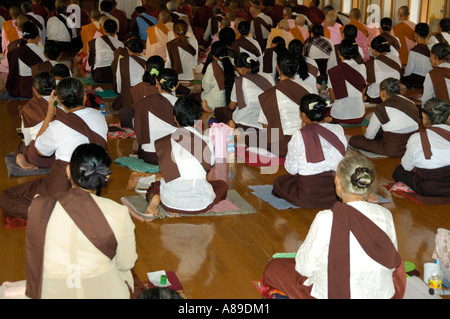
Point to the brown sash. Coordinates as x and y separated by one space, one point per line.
34 111
15 44
108 42
422 49
245 44
77 124
79 205
35 21
426 142
190 142
46 66
359 59
124 65
441 38
64 22
215 21
159 106
370 64
397 102
268 60
259 80
218 75
269 104
142 90
174 54
313 148
313 70
345 73
258 23
372 239
438 76
393 42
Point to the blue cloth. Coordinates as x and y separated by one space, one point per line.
143 25
264 192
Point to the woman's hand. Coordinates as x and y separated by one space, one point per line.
52 102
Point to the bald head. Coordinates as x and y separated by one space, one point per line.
20 21
255 10
403 12
15 12
164 16
284 25
355 14
300 20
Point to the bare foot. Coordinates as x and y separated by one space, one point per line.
206 108
152 208
23 163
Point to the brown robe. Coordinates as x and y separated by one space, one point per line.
16 200
45 66
257 79
258 24
103 74
245 44
268 60
16 85
269 106
370 65
174 54
388 143
313 191
78 204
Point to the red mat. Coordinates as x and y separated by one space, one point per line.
418 199
13 222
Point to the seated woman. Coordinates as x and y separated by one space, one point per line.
154 115
350 32
425 166
320 49
52 52
314 153
419 63
60 71
270 56
33 114
437 81
77 225
391 124
146 87
182 52
347 84
279 106
128 68
351 243
184 187
379 68
307 68
244 107
218 80
60 134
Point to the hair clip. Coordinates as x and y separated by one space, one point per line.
311 105
154 71
249 60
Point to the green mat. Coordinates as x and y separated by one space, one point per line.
136 164
106 94
365 122
89 81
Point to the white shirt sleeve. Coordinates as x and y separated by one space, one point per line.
373 127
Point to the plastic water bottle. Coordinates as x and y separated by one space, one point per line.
231 150
102 109
323 88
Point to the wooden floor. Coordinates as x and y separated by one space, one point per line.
219 257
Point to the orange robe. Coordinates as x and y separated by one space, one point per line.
87 34
404 31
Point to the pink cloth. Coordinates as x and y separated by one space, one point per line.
335 33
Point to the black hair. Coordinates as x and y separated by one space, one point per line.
70 92
437 111
110 26
29 30
422 29
61 9
445 24
220 51
317 30
140 9
155 63
44 83
244 27
288 63
168 79
380 44
135 45
315 112
348 49
386 24
350 32
89 167
187 109
296 47
52 50
441 51
27 7
106 6
60 70
391 86
227 36
243 60
159 293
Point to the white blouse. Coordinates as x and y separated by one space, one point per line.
296 157
418 64
382 71
289 112
428 88
248 116
440 148
104 56
352 106
136 73
25 70
188 61
368 279
191 191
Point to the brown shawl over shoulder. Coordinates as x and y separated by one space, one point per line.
438 76
402 104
